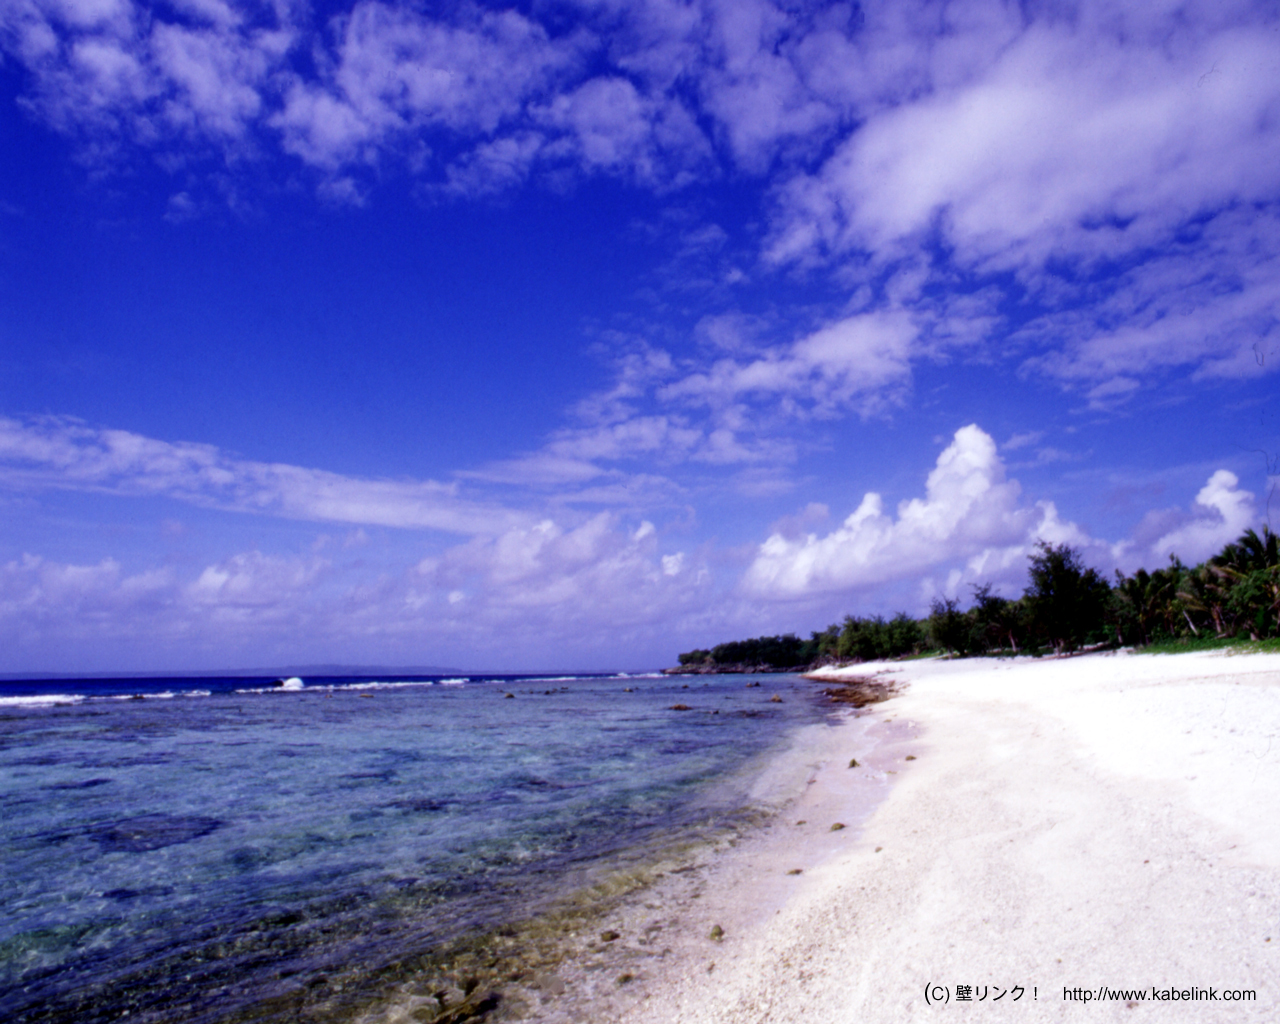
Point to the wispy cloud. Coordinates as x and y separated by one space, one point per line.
65 454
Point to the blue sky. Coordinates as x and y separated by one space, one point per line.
578 334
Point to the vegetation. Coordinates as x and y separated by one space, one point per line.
1232 598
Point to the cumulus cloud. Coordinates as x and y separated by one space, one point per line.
970 512
1222 511
250 582
595 588
973 526
40 597
65 454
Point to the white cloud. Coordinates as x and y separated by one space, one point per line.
596 588
252 581
398 72
1220 514
970 511
1115 163
1210 302
64 454
1070 126
861 362
735 410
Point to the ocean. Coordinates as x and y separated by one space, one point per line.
224 850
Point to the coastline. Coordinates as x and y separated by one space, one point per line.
626 931
1091 822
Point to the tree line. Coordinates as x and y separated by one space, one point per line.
1065 606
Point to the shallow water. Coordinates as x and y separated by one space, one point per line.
210 850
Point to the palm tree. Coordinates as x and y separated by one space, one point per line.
1240 586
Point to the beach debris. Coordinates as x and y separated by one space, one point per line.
717 933
624 979
796 871
610 936
910 757
853 763
680 707
837 826
775 699
879 848
472 1006
861 691
802 821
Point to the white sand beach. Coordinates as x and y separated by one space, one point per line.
1103 821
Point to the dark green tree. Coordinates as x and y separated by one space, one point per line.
948 626
995 621
1067 602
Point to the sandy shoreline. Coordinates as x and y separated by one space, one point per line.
1109 820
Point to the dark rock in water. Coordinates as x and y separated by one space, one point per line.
679 707
775 699
419 805
609 936
717 933
87 784
133 894
509 696
710 668
151 832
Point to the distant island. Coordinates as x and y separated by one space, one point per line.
1233 597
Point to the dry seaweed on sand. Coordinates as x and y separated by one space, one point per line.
858 691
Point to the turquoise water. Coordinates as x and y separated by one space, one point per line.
214 850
